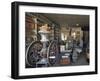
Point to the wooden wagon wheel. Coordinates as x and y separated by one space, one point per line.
52 53
33 53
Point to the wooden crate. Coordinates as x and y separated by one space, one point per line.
65 61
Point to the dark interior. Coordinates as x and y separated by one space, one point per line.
54 40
